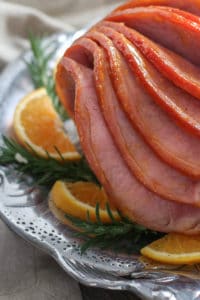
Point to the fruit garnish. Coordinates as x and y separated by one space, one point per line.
174 248
79 200
84 206
38 127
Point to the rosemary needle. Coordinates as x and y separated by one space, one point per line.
123 235
44 171
40 72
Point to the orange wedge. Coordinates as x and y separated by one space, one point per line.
80 198
38 126
174 248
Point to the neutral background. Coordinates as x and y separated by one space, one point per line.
25 272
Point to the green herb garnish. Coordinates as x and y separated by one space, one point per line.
40 72
44 171
124 235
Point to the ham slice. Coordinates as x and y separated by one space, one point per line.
65 84
174 145
143 162
65 89
166 26
178 70
192 6
131 197
182 106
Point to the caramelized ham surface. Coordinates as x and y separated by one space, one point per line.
165 26
172 66
191 6
175 146
132 85
110 167
141 159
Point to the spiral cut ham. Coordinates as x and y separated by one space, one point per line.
132 85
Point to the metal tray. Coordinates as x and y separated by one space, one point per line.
26 212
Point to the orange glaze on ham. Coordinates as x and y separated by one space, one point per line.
183 106
175 146
178 70
145 165
165 26
110 168
192 6
137 110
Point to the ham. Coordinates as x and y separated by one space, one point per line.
175 146
178 70
192 6
166 26
122 187
182 106
143 162
65 89
133 91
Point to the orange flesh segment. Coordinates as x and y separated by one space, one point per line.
47 126
174 248
80 198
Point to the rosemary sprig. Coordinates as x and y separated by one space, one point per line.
44 171
40 72
121 235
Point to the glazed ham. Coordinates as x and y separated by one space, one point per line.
144 113
143 162
183 74
134 94
185 5
166 26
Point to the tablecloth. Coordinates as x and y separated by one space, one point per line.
20 17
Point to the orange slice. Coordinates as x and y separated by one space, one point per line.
174 248
37 124
80 198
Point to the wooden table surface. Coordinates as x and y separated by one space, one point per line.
26 273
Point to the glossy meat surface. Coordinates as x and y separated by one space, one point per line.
132 85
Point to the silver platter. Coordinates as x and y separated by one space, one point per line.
26 212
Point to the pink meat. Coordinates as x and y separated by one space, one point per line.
175 146
165 26
125 191
64 83
192 6
144 163
182 106
178 70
